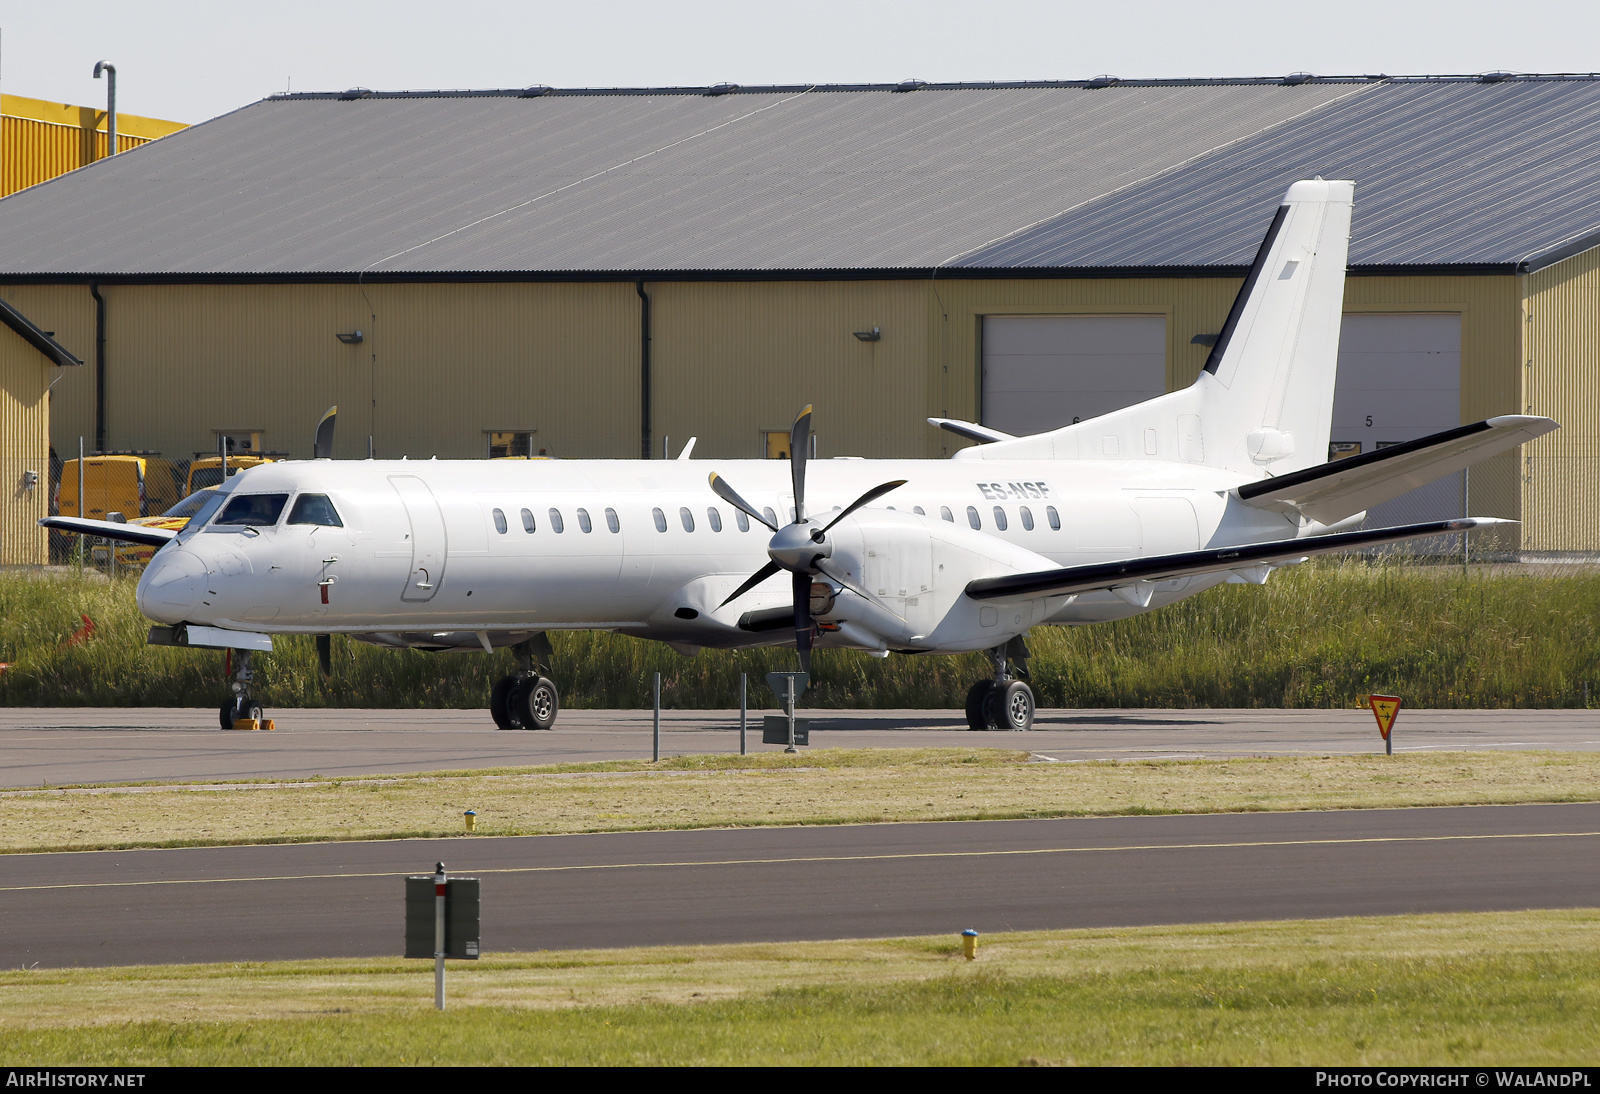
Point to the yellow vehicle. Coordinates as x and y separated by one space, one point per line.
136 555
206 471
133 485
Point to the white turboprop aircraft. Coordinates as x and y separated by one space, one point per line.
1099 520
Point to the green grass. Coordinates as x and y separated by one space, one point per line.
1318 635
829 786
1487 989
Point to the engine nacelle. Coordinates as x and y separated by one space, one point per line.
918 568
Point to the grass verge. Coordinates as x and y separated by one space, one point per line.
1318 635
829 786
1499 988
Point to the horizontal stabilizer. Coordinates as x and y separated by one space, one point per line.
1099 576
1331 491
972 431
105 529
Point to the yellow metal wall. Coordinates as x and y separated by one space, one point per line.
731 360
1562 367
439 365
24 439
40 140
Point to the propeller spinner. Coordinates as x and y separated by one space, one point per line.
801 547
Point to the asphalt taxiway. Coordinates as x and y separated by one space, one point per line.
853 881
76 745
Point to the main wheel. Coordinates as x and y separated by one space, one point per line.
1011 707
226 715
500 703
977 701
534 703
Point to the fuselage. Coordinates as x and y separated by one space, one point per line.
506 547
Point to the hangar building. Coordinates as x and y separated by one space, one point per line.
589 273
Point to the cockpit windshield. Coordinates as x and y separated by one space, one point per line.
254 510
315 509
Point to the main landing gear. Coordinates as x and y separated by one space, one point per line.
241 706
1006 701
527 699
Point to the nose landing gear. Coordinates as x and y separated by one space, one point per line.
1006 701
527 699
241 706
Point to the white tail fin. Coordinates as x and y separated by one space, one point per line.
1265 398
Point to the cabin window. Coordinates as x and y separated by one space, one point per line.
661 519
772 518
917 509
612 522
1055 518
527 521
972 517
555 521
254 510
687 518
1000 518
583 521
500 522
1027 517
744 521
945 514
714 518
792 517
308 509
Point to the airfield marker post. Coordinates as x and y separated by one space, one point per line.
655 739
438 936
744 679
791 747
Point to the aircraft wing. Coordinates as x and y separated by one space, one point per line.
105 529
1099 576
1332 491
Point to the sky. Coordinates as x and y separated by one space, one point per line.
187 61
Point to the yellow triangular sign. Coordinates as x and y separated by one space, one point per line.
1384 707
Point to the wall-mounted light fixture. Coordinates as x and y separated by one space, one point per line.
30 480
872 335
353 338
1203 340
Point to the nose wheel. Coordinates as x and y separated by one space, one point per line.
236 710
241 706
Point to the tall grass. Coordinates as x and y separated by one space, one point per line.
1318 635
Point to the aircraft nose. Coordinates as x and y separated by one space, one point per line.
172 585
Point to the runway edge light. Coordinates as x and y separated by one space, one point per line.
969 944
1385 708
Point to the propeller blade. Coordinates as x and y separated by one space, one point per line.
755 579
322 446
720 487
802 618
871 495
799 446
325 653
828 570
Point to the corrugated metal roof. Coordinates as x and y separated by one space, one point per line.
1453 172
757 180
1447 174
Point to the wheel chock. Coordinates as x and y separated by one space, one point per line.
246 723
